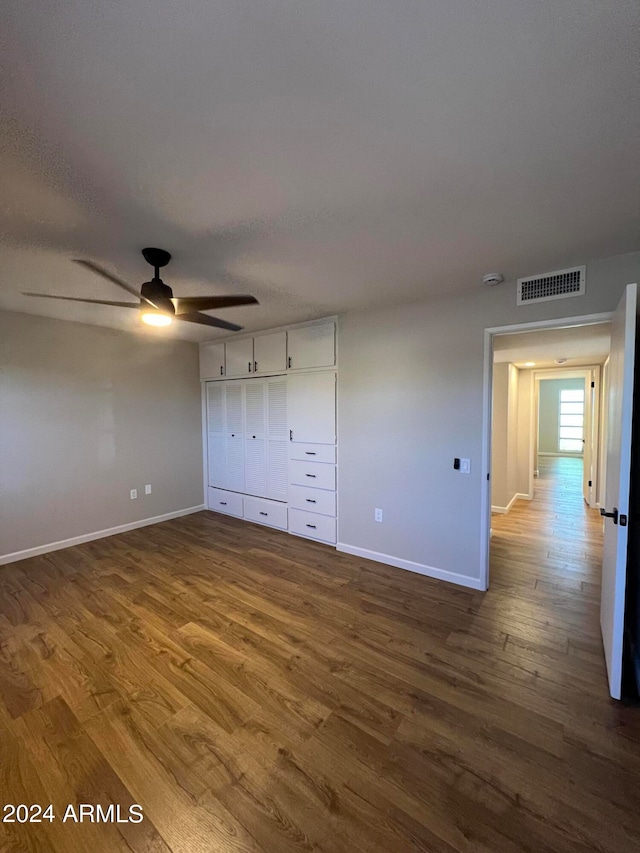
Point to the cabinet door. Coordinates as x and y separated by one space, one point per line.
311 406
255 462
312 346
211 361
216 445
277 438
270 353
239 357
234 438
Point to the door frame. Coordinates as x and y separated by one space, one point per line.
487 383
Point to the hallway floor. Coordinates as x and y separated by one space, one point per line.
555 540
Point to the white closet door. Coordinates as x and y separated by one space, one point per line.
277 438
255 463
312 407
216 454
234 436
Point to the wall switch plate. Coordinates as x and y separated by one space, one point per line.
465 466
133 494
147 489
377 515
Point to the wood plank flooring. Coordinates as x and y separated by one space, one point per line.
257 692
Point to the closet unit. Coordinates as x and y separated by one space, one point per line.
271 440
247 439
312 455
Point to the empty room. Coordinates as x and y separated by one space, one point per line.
319 444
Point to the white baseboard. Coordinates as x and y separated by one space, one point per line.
419 568
519 496
505 509
97 534
566 453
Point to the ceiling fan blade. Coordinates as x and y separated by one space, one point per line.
112 278
205 320
91 301
185 304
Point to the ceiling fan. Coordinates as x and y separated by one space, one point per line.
158 306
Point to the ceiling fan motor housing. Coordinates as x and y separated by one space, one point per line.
160 294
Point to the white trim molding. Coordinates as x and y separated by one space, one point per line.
519 496
408 565
97 534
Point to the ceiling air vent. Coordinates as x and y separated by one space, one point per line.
552 285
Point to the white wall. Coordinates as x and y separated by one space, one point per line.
525 435
86 414
505 440
410 398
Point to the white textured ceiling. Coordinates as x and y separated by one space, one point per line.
579 345
320 155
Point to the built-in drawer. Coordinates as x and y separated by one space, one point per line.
266 512
312 525
316 475
312 500
227 502
312 452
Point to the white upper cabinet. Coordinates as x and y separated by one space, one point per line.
211 361
311 405
312 346
239 357
270 353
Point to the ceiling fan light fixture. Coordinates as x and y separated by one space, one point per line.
156 318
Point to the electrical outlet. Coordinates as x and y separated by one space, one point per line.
377 515
147 489
133 494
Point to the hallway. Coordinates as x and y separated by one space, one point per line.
548 553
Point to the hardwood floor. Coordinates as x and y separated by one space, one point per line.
257 692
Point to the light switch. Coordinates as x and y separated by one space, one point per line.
465 466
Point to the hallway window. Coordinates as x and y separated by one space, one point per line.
571 421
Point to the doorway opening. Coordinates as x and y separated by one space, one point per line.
545 427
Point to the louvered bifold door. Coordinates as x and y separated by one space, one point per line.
277 438
234 393
255 462
216 453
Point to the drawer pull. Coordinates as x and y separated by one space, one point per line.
223 503
311 525
263 513
310 452
310 500
310 475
